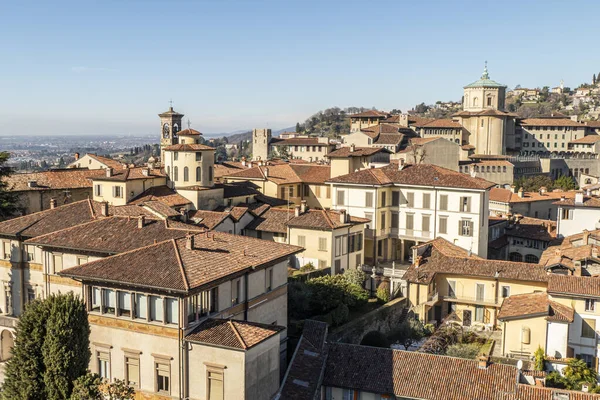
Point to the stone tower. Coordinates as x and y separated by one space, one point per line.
170 125
260 144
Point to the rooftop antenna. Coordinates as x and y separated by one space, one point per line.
189 123
171 103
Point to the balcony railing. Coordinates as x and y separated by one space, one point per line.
432 298
413 233
469 299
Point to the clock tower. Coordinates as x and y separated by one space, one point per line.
170 125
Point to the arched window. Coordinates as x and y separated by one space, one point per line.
530 258
488 169
175 174
186 174
493 168
515 257
587 170
210 174
198 174
504 169
475 101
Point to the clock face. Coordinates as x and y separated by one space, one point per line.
166 131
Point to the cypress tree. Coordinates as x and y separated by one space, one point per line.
25 369
65 350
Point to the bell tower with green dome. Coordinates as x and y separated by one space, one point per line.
484 94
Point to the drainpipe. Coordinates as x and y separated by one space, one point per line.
182 352
435 193
23 256
375 260
245 296
348 248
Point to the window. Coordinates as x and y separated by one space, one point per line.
479 313
425 223
175 173
172 306
567 213
198 156
176 156
443 228
505 291
369 216
465 227
465 204
269 279
82 260
395 198
96 300
383 218
338 246
306 190
132 371
117 191
341 196
444 202
202 304
410 222
186 174
383 199
198 173
590 305
215 386
410 199
452 289
322 244
369 199
328 192
290 191
157 309
57 260
6 250
317 191
108 301
236 286
349 394
322 264
30 253
124 303
301 241
589 359
588 328
141 306
479 292
163 377
98 190
489 101
395 219
426 200
103 362
210 174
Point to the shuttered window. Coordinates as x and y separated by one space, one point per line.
443 228
341 197
444 202
465 228
395 198
368 199
322 244
426 200
410 199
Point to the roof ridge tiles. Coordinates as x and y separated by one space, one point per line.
180 263
237 334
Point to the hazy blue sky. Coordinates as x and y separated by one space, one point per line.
111 66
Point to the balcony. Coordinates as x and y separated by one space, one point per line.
432 298
413 233
470 300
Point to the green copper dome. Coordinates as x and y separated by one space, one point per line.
485 81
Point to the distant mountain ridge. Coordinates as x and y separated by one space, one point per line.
238 136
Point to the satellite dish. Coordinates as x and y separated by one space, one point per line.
520 365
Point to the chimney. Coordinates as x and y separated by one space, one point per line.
521 193
104 208
146 171
513 188
579 198
352 148
52 203
266 172
76 156
303 206
297 211
543 190
32 184
184 215
189 241
141 221
586 237
109 172
343 216
482 362
472 171
401 164
243 161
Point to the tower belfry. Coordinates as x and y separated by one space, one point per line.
170 125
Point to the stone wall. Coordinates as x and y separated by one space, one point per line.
384 319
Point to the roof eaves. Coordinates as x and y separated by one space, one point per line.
180 263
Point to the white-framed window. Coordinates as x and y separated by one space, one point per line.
410 199
6 247
427 200
117 191
98 190
301 240
141 306
322 244
215 378
368 199
443 225
425 223
505 291
132 370
590 305
124 299
341 197
57 261
172 306
465 204
465 227
108 301
162 370
96 299
82 260
103 363
157 309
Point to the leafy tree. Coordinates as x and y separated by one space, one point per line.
375 339
87 387
119 390
540 358
421 108
383 293
594 79
355 276
565 183
25 369
298 127
65 350
8 199
409 332
533 183
577 372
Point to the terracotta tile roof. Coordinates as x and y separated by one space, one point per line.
303 378
592 124
273 220
238 189
241 335
415 375
493 113
312 141
500 195
109 162
286 173
226 168
258 208
416 120
418 175
441 123
468 147
588 139
534 305
160 208
536 196
111 235
528 392
163 194
53 179
374 131
189 147
189 132
550 122
440 256
574 285
369 113
208 219
587 202
129 174
345 152
170 265
323 220
389 139
394 119
532 228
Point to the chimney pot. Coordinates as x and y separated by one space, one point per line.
513 188
579 198
266 171
400 164
343 216
297 211
104 208
352 148
109 172
146 171
521 193
303 206
141 222
52 203
189 242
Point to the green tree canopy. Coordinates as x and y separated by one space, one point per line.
8 199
